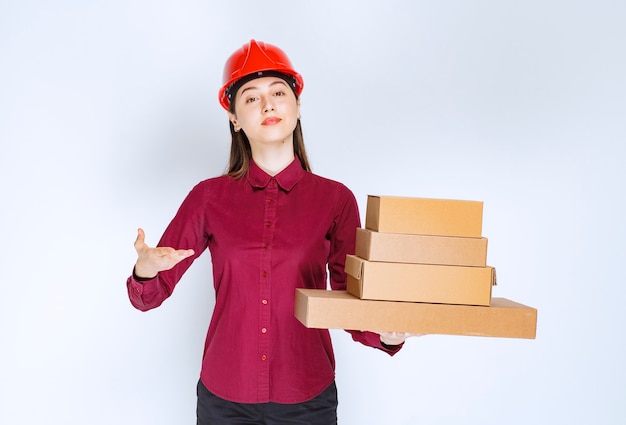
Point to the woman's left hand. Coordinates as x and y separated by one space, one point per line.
395 338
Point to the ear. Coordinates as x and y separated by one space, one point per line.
298 103
233 119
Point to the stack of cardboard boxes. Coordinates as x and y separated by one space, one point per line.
420 267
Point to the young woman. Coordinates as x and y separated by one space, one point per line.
271 226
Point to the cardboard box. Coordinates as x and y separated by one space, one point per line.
419 282
318 308
424 216
425 249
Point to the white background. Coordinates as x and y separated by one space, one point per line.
109 115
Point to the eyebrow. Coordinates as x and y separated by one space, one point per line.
279 81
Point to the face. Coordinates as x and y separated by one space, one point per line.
267 110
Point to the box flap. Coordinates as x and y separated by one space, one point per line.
354 266
494 280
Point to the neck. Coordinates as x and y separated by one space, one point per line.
273 158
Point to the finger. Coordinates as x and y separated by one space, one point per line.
180 254
177 256
163 251
185 253
173 256
141 237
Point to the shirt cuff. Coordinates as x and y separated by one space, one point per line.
141 279
392 348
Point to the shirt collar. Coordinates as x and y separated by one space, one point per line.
286 179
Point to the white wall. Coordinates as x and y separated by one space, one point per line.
109 115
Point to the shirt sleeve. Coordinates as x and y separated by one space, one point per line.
187 230
343 240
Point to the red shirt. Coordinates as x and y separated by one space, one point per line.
267 236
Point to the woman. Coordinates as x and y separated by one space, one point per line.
271 227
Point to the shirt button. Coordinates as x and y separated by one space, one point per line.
264 302
264 274
264 330
264 357
266 246
268 224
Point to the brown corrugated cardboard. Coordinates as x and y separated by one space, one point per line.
424 216
318 308
419 282
425 249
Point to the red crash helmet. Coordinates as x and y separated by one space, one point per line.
258 59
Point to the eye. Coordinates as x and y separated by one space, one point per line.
251 99
279 93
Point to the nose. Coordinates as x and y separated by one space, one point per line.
268 105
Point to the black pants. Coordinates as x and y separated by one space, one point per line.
321 410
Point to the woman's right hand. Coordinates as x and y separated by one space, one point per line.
151 261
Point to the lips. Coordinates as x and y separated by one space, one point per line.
271 121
